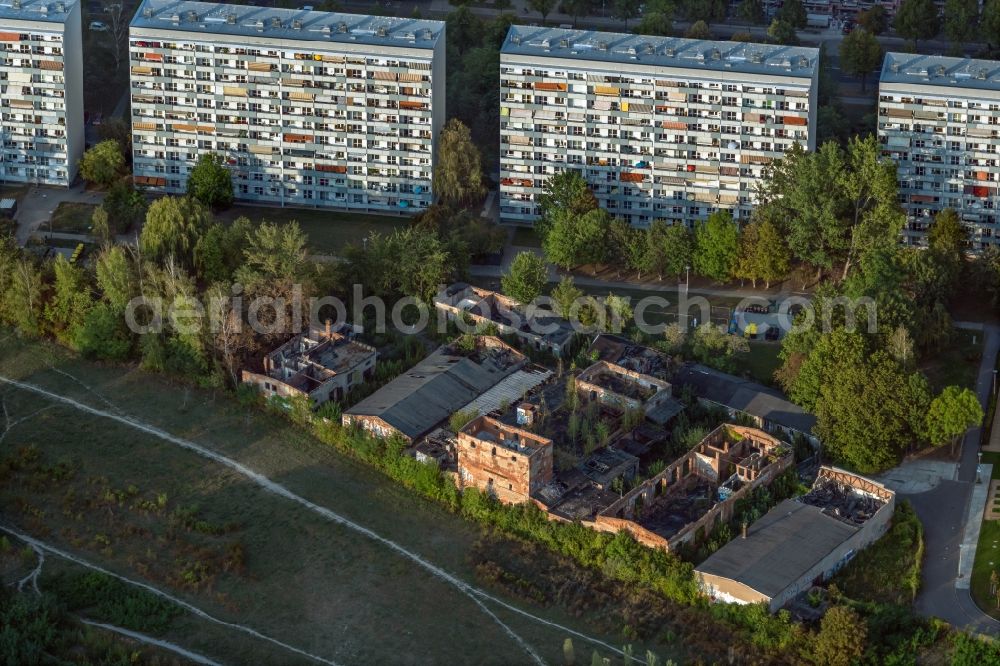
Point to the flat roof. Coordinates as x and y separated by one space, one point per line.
779 549
217 18
666 52
930 70
48 11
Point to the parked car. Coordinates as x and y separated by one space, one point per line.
98 26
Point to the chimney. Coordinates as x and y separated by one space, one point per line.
329 333
743 533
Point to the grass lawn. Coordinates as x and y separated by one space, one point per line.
526 237
13 192
328 231
958 363
72 218
147 508
762 361
987 561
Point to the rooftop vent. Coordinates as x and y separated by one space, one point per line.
147 12
296 24
381 32
802 62
649 49
16 4
670 52
192 17
515 39
564 43
275 22
939 70
176 18
546 43
982 74
259 25
341 27
894 67
716 54
426 33
60 7
602 46
757 58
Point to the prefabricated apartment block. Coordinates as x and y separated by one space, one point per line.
660 127
306 108
41 85
939 119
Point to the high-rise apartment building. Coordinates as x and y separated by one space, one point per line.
939 119
41 89
307 108
661 128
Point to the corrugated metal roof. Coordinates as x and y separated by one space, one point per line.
508 391
780 548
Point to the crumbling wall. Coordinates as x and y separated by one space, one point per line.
373 424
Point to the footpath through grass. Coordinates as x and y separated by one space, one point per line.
151 510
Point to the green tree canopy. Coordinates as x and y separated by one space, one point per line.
763 253
782 32
793 12
564 295
961 19
526 278
917 19
947 234
751 11
698 30
841 637
860 53
951 413
458 174
716 246
543 7
574 240
657 19
102 164
989 24
173 226
568 192
625 10
210 182
874 20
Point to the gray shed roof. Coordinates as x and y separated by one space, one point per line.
430 392
779 549
744 395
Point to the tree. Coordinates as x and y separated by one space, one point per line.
102 164
874 20
103 334
917 19
860 53
274 252
210 182
782 32
698 30
751 11
458 174
69 302
870 189
219 250
118 23
564 296
568 192
624 241
716 246
713 346
841 637
657 19
960 21
947 234
100 225
674 337
527 276
951 413
763 254
625 10
742 37
793 12
543 7
669 249
578 240
989 24
116 278
577 8
173 226
124 205
120 130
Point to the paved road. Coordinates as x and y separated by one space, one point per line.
38 205
944 511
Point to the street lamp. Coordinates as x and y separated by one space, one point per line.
979 467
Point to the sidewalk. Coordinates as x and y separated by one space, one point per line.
39 204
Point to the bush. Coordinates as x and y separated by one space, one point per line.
115 602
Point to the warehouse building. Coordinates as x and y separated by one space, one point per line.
306 108
660 127
800 542
41 85
939 119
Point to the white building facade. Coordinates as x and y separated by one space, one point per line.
41 87
308 109
660 127
939 119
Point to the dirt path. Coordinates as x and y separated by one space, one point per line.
476 595
154 642
41 545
